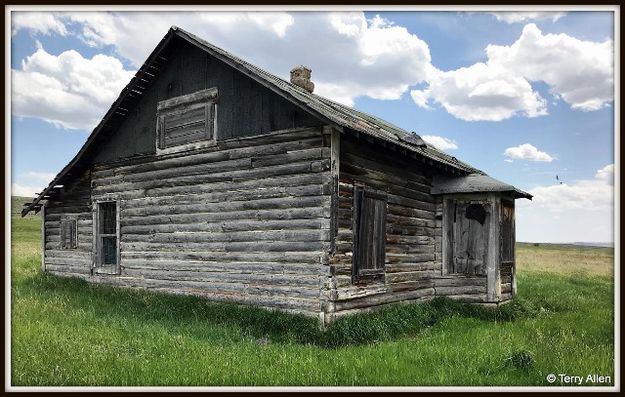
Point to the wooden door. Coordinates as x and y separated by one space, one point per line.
470 238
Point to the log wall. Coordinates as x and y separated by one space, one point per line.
265 220
74 201
413 266
245 221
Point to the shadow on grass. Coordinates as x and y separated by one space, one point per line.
172 310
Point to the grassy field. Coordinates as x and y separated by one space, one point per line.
67 332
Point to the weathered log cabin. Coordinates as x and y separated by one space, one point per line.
209 176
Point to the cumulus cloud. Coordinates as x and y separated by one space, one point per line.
37 22
528 152
378 59
579 72
592 195
524 16
67 90
606 174
482 92
440 142
24 191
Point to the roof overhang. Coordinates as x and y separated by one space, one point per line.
474 183
341 117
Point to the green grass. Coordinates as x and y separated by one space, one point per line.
69 332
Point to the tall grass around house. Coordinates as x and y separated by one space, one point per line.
69 332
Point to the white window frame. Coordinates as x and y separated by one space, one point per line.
97 267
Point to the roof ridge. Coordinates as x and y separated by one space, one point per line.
330 111
398 132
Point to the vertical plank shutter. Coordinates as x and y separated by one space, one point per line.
64 233
69 234
370 233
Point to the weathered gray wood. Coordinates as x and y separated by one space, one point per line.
291 140
222 266
314 153
231 225
260 199
461 290
235 214
310 282
380 299
229 237
233 175
197 211
290 257
43 238
235 247
494 283
470 244
183 191
206 95
335 160
471 298
447 246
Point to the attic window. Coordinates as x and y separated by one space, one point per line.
187 121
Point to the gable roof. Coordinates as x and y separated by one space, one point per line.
329 111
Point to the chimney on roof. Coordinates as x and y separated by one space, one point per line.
300 76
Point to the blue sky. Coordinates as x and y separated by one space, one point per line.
537 104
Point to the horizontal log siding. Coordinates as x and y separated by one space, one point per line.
246 221
413 234
73 201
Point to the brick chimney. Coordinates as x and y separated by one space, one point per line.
300 76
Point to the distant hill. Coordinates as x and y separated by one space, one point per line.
609 245
17 203
570 245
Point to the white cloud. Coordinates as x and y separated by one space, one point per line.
67 90
521 16
586 194
421 98
528 152
589 195
582 211
37 22
24 191
579 72
482 92
377 59
538 224
606 174
440 142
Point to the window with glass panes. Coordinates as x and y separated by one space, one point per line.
108 244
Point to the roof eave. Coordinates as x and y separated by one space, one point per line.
94 134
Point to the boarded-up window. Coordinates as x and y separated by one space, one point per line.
470 238
187 119
369 235
107 238
507 231
69 234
